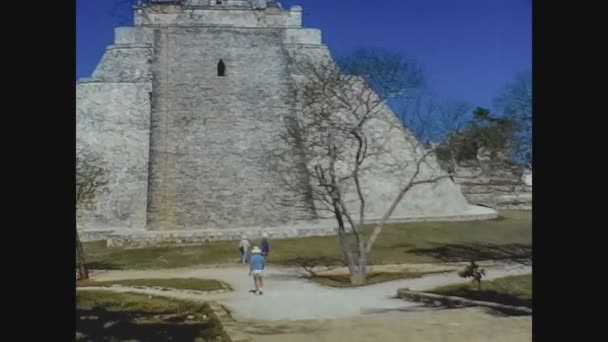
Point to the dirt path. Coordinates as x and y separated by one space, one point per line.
287 296
459 325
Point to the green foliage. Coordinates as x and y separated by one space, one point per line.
495 134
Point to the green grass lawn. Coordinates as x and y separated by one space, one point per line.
177 283
509 236
343 280
108 316
514 290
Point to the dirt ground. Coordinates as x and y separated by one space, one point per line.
294 309
470 325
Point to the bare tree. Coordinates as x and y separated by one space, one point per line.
418 112
515 101
91 180
337 128
434 120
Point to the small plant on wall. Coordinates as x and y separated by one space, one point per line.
473 271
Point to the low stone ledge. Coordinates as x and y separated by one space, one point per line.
437 300
144 288
95 235
202 236
323 227
228 323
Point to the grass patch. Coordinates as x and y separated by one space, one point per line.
107 316
514 290
343 280
173 283
500 218
506 238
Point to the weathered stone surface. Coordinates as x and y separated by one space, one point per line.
114 119
209 149
502 187
190 150
138 239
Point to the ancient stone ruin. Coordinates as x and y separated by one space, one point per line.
183 107
504 186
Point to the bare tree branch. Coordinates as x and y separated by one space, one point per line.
345 130
91 181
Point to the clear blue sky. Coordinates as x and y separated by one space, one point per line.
470 48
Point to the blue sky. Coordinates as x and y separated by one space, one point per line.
469 48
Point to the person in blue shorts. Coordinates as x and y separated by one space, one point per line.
256 268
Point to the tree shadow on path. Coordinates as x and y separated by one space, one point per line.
520 253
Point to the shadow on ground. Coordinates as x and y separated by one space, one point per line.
502 312
257 328
271 276
94 265
484 296
465 252
319 261
387 310
99 324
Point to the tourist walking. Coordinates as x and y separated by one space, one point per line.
265 245
256 269
244 248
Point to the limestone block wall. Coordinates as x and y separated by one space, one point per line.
213 137
302 36
113 119
128 59
234 13
394 169
502 187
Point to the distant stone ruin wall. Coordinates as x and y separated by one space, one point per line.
501 188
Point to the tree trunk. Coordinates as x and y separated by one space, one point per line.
83 272
344 245
359 277
346 253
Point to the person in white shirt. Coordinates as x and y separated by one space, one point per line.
244 248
